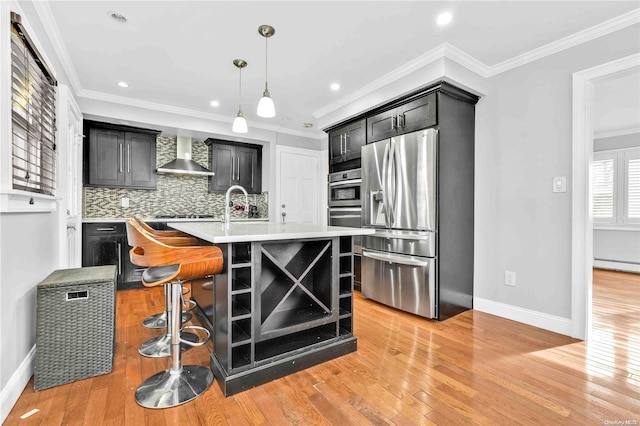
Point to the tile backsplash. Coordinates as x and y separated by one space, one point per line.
174 194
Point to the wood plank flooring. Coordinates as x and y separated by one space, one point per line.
472 369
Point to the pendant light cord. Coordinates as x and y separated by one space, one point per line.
266 58
240 92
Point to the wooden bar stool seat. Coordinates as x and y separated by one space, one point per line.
174 265
171 238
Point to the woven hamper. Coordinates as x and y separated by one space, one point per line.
75 325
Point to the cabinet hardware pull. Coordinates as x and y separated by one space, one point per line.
346 141
400 120
128 158
118 246
238 168
120 158
233 165
106 229
393 119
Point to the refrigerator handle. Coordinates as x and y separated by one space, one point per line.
400 260
385 183
391 183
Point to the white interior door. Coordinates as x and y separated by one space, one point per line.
298 183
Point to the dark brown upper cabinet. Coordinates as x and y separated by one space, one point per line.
345 142
119 156
408 117
235 164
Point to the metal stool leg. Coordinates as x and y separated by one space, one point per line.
160 346
160 320
178 384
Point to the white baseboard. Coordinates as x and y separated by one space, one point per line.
16 384
616 266
526 316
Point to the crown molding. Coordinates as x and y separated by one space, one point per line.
619 132
170 109
46 17
599 30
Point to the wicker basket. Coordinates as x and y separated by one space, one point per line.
75 325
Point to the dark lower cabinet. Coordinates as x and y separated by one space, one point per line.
106 244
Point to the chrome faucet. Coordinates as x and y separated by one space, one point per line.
226 218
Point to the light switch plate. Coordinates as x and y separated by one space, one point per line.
560 184
125 202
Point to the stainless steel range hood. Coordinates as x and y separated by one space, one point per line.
183 164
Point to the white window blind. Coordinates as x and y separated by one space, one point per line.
615 184
33 115
603 178
632 163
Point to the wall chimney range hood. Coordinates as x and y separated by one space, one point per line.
183 164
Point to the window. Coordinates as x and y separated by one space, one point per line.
33 114
616 187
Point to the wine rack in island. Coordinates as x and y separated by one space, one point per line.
280 307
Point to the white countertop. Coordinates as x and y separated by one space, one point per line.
168 219
237 232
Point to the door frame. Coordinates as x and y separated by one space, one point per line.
68 111
582 221
323 170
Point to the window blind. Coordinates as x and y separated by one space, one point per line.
633 189
603 178
33 115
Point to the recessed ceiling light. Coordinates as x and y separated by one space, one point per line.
307 125
215 103
444 18
117 17
335 87
123 84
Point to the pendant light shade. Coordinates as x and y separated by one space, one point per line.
266 108
240 123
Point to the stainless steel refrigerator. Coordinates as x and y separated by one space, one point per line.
399 185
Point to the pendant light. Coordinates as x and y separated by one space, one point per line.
265 106
239 123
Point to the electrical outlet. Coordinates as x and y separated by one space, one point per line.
510 278
125 202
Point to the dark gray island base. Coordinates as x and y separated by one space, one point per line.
279 306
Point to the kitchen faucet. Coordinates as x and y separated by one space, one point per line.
226 219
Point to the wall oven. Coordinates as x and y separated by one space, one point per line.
344 188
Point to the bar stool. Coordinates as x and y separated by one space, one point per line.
175 265
160 346
172 238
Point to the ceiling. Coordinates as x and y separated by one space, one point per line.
180 53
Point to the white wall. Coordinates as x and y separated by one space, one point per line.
28 241
523 140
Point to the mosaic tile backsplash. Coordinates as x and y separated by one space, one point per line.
174 194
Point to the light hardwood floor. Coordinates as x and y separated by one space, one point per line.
472 369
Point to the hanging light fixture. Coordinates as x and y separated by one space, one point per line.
240 123
265 106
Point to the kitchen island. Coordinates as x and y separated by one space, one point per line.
283 302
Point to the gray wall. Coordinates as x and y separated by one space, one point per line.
523 140
622 246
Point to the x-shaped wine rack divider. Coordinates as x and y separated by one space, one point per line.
296 281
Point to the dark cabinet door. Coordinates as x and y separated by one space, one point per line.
221 165
106 157
118 157
381 126
239 164
418 114
411 116
345 143
246 168
140 160
106 244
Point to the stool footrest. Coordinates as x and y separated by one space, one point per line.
195 327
